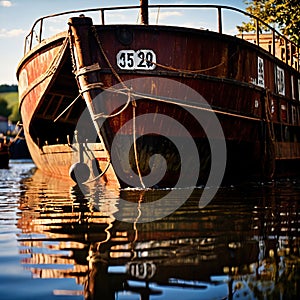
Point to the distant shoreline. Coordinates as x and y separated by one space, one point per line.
6 88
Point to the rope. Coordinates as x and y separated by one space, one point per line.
74 69
178 102
100 175
102 115
91 86
94 30
184 70
134 145
196 107
72 103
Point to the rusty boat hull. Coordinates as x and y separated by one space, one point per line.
122 78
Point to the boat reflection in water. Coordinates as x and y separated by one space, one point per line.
244 244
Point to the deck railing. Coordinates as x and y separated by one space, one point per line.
289 47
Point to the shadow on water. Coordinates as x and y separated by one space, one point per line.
243 245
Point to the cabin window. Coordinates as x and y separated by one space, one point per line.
260 72
280 81
292 87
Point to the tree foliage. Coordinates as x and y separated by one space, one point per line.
15 116
284 13
6 88
4 110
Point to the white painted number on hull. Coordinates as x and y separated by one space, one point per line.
143 59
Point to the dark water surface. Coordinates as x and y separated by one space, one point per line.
57 243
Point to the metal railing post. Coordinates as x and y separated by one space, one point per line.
31 38
273 43
102 17
286 60
298 59
257 31
291 53
220 25
144 12
41 31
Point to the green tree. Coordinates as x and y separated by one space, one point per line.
283 13
15 116
4 110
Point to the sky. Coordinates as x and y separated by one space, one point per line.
18 16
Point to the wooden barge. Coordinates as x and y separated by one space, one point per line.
88 95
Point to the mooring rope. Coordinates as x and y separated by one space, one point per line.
134 145
106 58
185 70
175 101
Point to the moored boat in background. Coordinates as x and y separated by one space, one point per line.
129 78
